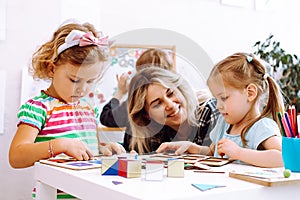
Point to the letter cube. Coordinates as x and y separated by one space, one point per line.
154 170
130 168
109 166
176 168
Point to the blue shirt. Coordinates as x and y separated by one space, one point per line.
256 134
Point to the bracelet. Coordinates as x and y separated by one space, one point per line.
51 149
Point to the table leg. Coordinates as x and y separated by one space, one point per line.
45 192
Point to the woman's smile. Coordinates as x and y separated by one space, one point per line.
176 112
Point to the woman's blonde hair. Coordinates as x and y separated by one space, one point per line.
47 53
241 69
140 122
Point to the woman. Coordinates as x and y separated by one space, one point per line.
162 108
114 113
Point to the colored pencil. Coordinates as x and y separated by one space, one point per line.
285 126
286 115
294 115
298 125
281 125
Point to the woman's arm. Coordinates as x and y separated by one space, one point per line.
181 147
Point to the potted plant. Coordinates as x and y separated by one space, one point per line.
285 68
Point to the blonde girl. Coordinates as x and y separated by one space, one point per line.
248 129
58 120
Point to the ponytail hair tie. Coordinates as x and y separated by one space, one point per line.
249 59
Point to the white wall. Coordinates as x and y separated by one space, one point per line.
220 30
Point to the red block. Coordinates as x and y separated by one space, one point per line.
129 168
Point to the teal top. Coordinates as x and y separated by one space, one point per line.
257 133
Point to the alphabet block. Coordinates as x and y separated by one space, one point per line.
130 168
109 166
176 168
154 170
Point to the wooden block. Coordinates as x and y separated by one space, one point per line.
176 168
130 168
154 170
109 166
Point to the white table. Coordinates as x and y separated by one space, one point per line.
90 184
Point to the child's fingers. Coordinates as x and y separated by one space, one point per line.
106 151
220 150
118 148
220 142
117 77
89 153
124 77
85 156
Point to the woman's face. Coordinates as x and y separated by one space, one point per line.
166 106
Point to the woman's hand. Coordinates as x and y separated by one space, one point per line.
179 147
111 147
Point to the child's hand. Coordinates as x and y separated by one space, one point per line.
75 148
229 148
111 147
179 147
122 83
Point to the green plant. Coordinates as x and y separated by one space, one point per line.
285 68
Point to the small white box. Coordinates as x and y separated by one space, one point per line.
154 170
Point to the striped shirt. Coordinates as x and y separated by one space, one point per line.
56 119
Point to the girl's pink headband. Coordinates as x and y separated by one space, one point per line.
76 37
